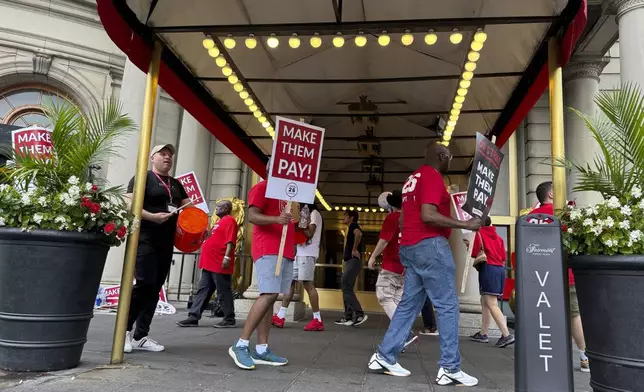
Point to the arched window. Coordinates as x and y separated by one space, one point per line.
23 105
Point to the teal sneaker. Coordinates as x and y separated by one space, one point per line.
268 358
242 357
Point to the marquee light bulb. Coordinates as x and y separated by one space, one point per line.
384 39
468 75
480 36
243 94
449 129
227 71
315 41
473 56
344 208
230 42
248 102
270 129
338 41
213 52
465 83
457 105
446 132
459 99
431 38
273 42
351 208
208 43
221 61
456 37
294 42
470 66
461 92
266 124
476 46
451 123
238 87
360 209
407 38
453 118
251 42
257 114
337 208
232 79
262 119
361 40
252 108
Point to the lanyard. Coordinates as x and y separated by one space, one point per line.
166 186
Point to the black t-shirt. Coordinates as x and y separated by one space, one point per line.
348 248
157 199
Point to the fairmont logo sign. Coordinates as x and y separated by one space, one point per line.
537 250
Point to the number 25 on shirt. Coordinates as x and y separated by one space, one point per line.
410 185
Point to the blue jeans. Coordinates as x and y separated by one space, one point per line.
429 271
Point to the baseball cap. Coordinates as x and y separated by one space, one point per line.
395 198
160 147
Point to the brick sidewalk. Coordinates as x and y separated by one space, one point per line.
196 359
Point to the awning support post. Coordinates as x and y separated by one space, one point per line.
556 123
132 245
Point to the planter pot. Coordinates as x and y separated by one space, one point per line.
48 285
610 290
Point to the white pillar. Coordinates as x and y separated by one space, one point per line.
121 169
630 17
581 84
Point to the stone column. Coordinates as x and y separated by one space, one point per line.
581 84
630 18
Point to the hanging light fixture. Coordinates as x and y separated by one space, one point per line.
251 42
361 40
473 56
480 36
315 41
431 38
273 42
232 79
213 52
294 41
238 87
465 84
407 38
221 61
456 37
384 38
230 42
208 42
338 40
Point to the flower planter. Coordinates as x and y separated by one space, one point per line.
610 291
48 284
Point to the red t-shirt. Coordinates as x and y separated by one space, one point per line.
425 186
214 249
549 209
266 238
493 246
389 232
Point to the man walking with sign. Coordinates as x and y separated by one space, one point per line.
429 270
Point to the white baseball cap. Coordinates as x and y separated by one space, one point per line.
156 149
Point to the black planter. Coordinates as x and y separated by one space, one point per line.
48 285
610 290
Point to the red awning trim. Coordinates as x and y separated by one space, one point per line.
139 52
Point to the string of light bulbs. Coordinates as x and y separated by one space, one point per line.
359 209
464 83
246 95
338 40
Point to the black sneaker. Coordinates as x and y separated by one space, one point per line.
189 322
344 322
505 341
225 324
479 337
360 320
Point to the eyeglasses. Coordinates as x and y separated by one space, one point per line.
448 155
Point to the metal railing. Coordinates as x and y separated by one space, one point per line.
195 258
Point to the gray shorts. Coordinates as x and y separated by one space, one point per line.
304 268
267 282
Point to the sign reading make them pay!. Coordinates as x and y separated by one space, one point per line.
34 141
192 188
295 162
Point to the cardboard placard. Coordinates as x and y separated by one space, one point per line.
485 173
192 188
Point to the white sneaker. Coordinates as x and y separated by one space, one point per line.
377 363
147 344
128 342
459 378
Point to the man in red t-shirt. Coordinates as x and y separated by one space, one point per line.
268 217
429 269
545 197
217 262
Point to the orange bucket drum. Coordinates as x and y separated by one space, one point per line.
192 226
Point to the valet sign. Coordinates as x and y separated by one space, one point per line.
295 162
34 141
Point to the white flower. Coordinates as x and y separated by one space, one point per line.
636 192
25 199
85 215
42 200
569 230
2 221
641 205
609 222
3 187
592 210
88 186
613 202
38 218
575 214
610 243
597 230
80 229
74 191
588 222
60 219
626 210
73 180
635 235
625 225
126 223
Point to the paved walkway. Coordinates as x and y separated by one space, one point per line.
196 360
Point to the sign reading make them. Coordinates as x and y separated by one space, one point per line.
483 179
295 162
544 353
34 141
192 188
458 200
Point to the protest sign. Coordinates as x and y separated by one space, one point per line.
483 179
108 299
34 141
192 188
295 165
458 200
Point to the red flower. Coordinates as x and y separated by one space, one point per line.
94 208
109 228
122 232
94 189
86 202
